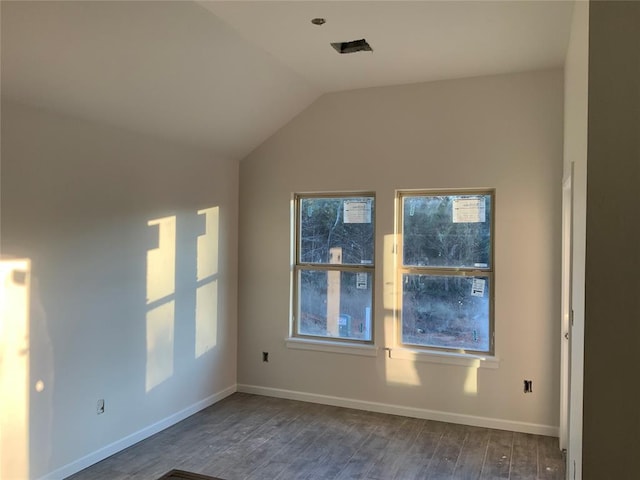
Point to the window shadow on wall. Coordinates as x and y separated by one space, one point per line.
181 277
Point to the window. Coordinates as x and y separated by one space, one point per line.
445 270
334 266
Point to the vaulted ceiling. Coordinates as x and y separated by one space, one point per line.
226 75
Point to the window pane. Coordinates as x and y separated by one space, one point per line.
335 304
446 311
328 223
447 231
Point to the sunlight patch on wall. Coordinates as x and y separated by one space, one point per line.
14 368
471 380
208 244
161 303
206 317
161 261
397 372
160 325
207 290
402 373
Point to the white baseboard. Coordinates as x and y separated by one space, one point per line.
115 447
441 416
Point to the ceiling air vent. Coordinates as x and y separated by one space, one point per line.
352 47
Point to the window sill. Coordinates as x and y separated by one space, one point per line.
448 358
332 347
416 355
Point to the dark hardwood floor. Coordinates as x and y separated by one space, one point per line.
254 437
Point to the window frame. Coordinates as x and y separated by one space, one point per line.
298 266
435 271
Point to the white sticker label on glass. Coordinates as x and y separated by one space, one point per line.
361 281
357 211
469 210
477 287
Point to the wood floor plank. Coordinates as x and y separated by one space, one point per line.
265 442
337 421
306 427
446 455
249 437
372 448
474 450
551 464
524 462
415 463
497 462
387 466
254 450
341 446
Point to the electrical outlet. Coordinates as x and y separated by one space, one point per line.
528 386
265 356
100 407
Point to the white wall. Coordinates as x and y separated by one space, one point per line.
575 151
501 131
77 199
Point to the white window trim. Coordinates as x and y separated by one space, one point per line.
448 358
426 353
327 344
397 353
331 346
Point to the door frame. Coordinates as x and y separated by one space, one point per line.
566 308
